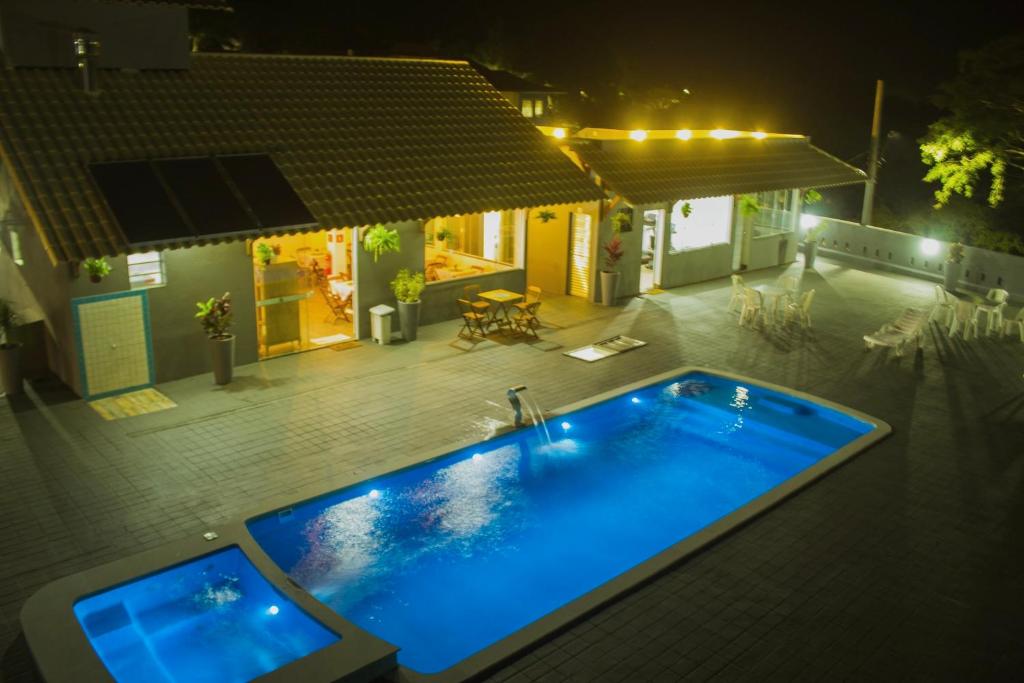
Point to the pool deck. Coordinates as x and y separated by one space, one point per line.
903 564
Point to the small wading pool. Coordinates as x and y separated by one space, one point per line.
449 557
213 619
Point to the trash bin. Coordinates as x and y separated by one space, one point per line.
380 324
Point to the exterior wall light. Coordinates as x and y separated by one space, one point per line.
722 134
809 220
638 135
684 134
930 247
760 135
558 133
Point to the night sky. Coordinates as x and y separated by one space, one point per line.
781 67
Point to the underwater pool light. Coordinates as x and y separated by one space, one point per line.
273 610
635 400
566 426
374 494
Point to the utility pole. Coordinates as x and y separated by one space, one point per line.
876 134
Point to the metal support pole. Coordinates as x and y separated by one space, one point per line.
876 134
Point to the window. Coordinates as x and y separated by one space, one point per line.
538 107
709 222
462 246
146 270
776 214
531 107
527 107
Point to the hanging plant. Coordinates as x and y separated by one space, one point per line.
686 209
97 268
265 253
380 240
545 216
622 221
749 205
811 197
444 234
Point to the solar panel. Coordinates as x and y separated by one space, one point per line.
266 191
139 202
205 196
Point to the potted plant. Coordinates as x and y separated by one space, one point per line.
380 240
407 287
215 316
97 268
811 238
545 216
265 253
954 264
613 253
10 350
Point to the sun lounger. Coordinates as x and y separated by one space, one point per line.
896 335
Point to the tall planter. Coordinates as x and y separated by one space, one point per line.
222 350
609 287
10 369
409 319
952 275
810 254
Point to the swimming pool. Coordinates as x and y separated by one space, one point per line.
472 552
212 619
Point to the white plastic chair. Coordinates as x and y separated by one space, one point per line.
909 327
789 283
801 310
944 305
1018 322
965 319
753 305
995 302
737 293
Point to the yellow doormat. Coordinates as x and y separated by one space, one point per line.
131 404
654 290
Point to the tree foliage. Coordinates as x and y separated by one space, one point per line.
979 144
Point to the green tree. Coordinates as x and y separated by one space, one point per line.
979 143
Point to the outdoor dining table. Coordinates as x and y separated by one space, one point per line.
499 313
774 299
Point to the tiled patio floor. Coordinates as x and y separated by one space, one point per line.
905 564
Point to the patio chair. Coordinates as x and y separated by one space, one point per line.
531 296
944 305
801 310
525 320
965 319
471 293
340 304
909 327
473 322
995 302
753 305
737 293
1016 321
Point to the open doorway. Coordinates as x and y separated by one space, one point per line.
651 249
305 291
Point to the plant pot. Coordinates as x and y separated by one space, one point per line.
810 253
222 350
95 278
609 286
10 369
409 319
951 275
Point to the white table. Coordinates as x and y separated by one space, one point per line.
774 298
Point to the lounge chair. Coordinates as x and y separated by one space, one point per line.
909 327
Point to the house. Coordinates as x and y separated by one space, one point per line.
199 174
681 195
538 102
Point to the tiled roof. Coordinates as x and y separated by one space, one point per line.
667 170
507 81
362 140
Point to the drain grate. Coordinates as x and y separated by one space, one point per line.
605 348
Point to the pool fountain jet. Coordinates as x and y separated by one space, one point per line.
517 406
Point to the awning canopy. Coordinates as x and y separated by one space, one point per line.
667 170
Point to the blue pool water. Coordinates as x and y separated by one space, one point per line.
450 556
214 619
